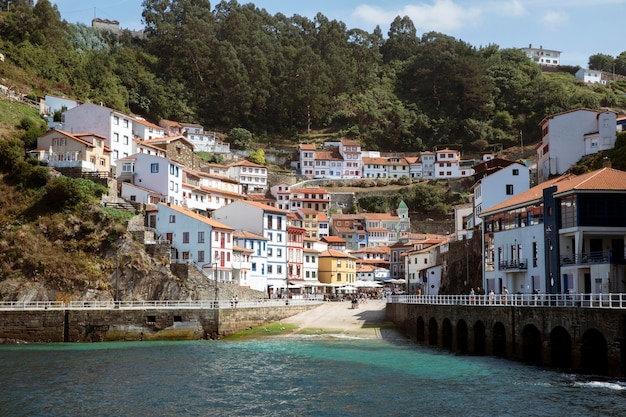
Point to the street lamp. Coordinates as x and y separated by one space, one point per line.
217 259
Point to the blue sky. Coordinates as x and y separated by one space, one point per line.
577 28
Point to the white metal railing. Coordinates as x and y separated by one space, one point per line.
525 300
154 304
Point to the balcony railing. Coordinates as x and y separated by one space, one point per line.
517 264
589 257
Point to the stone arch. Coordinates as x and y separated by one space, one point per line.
499 339
446 334
480 338
420 331
594 352
461 336
560 348
531 344
433 330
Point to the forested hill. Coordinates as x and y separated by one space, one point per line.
227 65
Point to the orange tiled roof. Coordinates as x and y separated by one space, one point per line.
605 179
198 217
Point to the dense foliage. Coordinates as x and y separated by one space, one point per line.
236 66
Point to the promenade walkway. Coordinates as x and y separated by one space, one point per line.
339 319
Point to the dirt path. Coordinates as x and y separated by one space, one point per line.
340 319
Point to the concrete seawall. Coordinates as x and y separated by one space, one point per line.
94 325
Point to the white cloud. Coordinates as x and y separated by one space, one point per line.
440 15
552 19
509 8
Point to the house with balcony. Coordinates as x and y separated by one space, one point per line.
144 130
269 222
143 147
543 57
424 268
567 137
251 176
313 198
114 126
565 235
256 278
448 165
150 179
83 152
295 248
428 165
241 266
204 193
195 239
416 169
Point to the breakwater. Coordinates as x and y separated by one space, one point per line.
94 324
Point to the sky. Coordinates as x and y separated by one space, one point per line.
577 28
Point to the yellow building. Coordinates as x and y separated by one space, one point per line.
86 152
336 267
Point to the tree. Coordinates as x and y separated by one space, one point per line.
240 137
601 62
257 157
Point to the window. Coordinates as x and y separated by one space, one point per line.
185 237
516 171
254 266
269 252
509 189
200 237
154 168
270 220
172 218
279 252
116 120
200 256
125 140
116 137
279 269
269 269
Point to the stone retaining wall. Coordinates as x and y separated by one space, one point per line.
51 326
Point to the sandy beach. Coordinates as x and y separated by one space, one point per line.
339 319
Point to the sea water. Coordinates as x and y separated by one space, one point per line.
287 377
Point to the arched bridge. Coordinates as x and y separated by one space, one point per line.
574 332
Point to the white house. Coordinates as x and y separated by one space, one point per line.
196 239
590 76
271 223
564 235
257 244
568 136
114 126
145 130
154 173
423 268
543 57
252 177
448 165
500 182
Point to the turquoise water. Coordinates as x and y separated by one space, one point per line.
286 377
